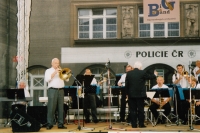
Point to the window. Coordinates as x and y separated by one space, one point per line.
166 29
97 23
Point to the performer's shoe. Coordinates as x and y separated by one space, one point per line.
134 126
87 120
184 122
142 126
95 121
62 127
49 127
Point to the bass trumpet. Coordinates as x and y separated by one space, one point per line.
64 73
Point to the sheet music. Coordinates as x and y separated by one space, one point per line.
150 94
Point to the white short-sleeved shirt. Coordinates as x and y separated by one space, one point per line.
194 71
183 82
122 79
56 81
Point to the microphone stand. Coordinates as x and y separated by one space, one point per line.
191 119
110 98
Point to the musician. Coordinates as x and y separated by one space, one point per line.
55 94
182 105
136 92
90 101
22 105
196 70
121 82
164 103
178 77
197 106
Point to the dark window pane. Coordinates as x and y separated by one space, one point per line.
144 26
159 33
140 10
173 25
159 26
111 11
141 20
144 33
97 27
98 35
111 34
111 21
83 28
83 21
97 11
83 12
173 33
111 27
83 35
97 21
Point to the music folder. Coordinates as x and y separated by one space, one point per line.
163 92
194 93
19 92
85 80
150 94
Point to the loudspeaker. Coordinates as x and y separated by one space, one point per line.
22 122
39 113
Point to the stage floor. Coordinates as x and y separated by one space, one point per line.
116 127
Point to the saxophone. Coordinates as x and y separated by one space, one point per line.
193 102
161 100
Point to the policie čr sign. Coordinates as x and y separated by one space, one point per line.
144 54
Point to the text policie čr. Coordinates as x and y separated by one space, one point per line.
158 53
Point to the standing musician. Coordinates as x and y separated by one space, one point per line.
196 70
136 92
183 105
121 82
90 101
55 94
160 104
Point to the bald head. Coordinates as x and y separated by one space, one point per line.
160 81
55 63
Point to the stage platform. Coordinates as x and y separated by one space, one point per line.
116 127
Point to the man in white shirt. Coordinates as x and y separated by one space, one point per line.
121 82
178 78
196 71
164 103
55 94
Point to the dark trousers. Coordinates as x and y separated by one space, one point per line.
182 108
123 107
136 106
19 106
55 99
155 106
90 102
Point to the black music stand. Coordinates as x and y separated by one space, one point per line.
195 95
86 81
161 92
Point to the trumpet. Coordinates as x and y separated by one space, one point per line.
64 73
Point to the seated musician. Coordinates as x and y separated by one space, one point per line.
121 82
196 71
164 103
21 105
90 101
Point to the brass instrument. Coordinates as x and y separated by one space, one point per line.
184 73
161 100
193 102
64 73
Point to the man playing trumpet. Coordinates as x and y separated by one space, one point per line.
55 94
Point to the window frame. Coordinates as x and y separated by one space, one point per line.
91 18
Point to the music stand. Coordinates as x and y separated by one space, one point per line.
195 95
86 81
161 92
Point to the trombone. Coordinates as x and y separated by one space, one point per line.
64 73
